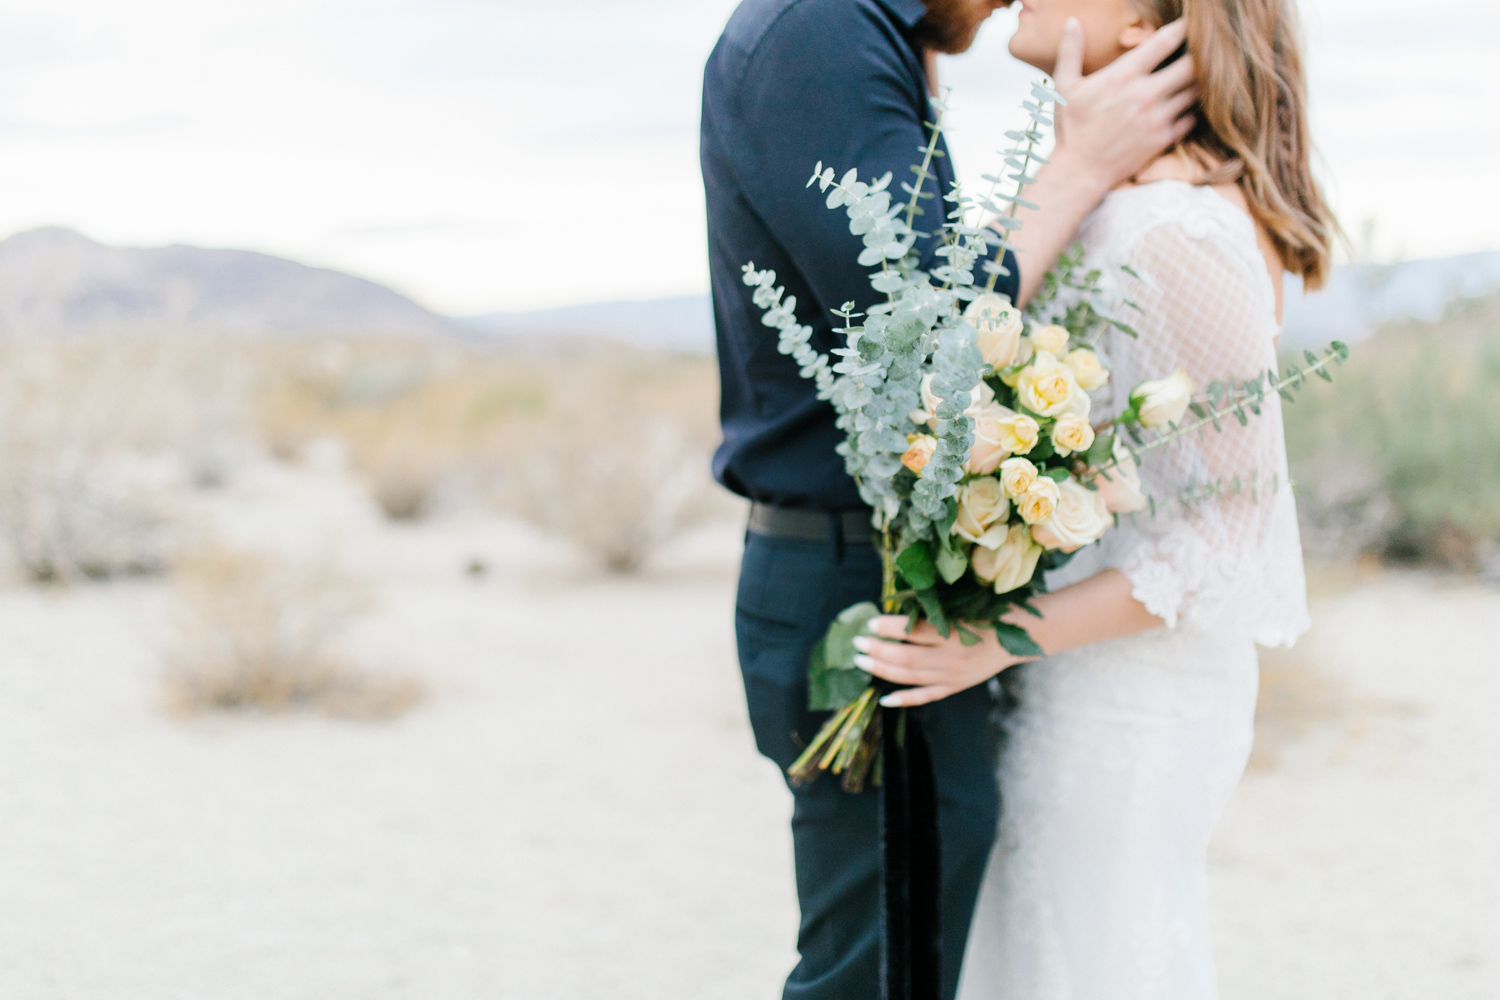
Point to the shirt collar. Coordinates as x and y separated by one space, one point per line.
908 12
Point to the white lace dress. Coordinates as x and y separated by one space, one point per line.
1118 758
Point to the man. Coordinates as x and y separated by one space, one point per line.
793 82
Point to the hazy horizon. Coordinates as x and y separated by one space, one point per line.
465 152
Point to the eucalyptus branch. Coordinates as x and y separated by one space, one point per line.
1249 396
923 172
1020 159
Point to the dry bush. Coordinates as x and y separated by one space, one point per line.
607 447
1402 457
94 435
410 415
617 460
257 632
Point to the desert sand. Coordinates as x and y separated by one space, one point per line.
576 810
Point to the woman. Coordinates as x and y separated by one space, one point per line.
1122 746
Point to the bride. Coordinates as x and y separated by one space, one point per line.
1123 744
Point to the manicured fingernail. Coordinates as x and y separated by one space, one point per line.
864 662
873 624
890 701
862 643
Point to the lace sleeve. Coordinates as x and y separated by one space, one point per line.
1228 562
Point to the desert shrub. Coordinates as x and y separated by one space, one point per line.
1402 458
617 458
94 436
258 632
607 447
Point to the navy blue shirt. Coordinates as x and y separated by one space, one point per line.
790 83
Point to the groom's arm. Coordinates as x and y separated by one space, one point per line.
1116 122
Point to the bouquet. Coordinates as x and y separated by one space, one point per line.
967 425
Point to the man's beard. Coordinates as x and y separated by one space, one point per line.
949 26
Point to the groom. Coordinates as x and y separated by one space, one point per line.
793 82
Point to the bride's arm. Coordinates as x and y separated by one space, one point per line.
1204 310
1087 612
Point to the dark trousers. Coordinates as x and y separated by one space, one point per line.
789 591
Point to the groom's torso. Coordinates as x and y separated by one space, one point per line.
791 83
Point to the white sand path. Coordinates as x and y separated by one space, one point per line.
577 811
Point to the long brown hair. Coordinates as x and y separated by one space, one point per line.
1252 119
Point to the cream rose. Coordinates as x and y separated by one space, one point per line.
1087 369
1010 564
1120 486
990 439
1162 401
1052 339
981 504
1038 502
999 326
1048 388
1017 475
1018 432
1072 433
920 451
1079 518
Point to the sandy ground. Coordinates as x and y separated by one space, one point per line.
576 811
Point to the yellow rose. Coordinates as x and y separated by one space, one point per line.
981 504
1087 369
999 327
1048 388
1052 339
920 451
1018 432
1080 518
1010 564
1162 401
1072 433
990 438
1017 475
1121 485
1038 502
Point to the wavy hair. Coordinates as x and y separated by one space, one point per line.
1252 119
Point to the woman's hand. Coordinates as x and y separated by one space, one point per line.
936 667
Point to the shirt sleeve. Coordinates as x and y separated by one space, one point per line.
832 82
1230 556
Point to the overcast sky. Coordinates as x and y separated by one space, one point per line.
509 154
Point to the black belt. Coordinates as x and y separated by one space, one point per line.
852 527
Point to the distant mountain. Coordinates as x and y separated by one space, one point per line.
685 323
1358 299
57 281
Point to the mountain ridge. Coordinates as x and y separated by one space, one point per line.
57 281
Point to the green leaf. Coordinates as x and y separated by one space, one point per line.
1056 475
832 678
932 607
951 563
1016 640
916 566
967 637
1102 450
